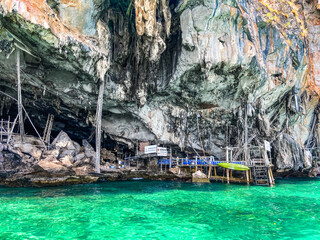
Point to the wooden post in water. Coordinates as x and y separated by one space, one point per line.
247 177
19 96
210 167
98 125
196 163
228 177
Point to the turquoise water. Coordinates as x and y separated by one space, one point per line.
162 210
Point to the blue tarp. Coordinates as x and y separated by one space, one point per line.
188 162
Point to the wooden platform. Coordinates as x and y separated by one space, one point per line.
200 180
231 179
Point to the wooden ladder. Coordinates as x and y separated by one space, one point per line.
48 128
260 172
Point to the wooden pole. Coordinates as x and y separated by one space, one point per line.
1 128
227 155
98 125
196 163
19 97
228 178
215 171
170 157
246 133
247 177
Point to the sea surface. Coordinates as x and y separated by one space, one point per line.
163 210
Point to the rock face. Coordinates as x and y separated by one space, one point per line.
64 163
183 72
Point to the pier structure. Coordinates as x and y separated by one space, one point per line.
257 159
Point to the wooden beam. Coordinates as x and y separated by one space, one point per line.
19 96
98 125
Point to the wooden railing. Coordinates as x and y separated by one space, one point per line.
5 129
248 157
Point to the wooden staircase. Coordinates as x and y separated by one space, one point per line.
260 172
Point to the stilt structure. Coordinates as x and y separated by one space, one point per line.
5 130
21 125
98 125
258 165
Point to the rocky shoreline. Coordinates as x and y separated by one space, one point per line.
65 162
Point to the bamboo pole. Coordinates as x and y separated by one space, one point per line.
215 171
19 97
98 125
1 129
247 177
246 133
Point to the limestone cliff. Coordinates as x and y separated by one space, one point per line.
177 72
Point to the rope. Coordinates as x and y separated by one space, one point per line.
8 96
